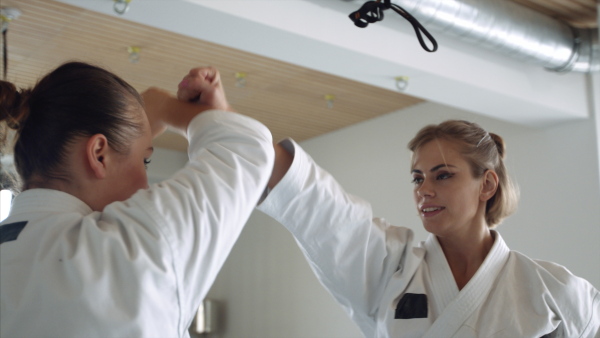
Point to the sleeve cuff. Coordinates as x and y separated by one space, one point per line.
274 199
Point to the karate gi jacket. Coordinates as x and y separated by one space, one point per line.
141 267
393 287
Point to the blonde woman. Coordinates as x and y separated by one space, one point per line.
463 281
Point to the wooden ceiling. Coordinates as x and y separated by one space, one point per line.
289 99
577 13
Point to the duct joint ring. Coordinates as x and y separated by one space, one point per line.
577 42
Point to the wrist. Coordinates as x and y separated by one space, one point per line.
181 113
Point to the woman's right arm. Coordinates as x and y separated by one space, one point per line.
352 254
189 223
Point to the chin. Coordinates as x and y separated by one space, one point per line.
432 227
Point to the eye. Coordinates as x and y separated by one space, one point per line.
417 180
444 176
146 162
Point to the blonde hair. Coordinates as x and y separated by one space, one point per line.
483 151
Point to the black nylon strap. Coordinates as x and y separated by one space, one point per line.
372 11
418 29
4 53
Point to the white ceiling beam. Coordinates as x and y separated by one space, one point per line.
320 36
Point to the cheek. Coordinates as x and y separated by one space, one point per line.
142 179
138 178
470 198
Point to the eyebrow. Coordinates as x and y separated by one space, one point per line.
434 169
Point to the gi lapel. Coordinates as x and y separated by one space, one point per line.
443 287
386 322
472 296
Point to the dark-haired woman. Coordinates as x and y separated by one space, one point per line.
463 281
89 250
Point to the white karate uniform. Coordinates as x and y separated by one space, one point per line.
393 287
139 268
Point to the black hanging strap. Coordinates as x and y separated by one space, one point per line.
372 11
4 53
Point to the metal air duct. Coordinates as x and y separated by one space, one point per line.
511 29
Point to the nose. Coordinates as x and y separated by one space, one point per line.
425 189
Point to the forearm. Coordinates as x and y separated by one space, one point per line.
164 110
179 113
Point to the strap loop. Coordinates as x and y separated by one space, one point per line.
372 11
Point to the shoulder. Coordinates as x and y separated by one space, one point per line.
553 286
549 273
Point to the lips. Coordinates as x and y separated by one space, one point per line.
431 210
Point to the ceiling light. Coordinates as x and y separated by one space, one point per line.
121 6
329 98
134 54
240 79
401 82
8 14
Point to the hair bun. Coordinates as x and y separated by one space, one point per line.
13 104
499 144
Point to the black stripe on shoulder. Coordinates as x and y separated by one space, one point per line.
10 232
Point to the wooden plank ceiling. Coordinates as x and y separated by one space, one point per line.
577 13
289 99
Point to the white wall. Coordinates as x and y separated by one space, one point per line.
164 164
267 290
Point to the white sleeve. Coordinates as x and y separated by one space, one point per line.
196 216
352 254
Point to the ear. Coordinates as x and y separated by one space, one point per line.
489 185
96 152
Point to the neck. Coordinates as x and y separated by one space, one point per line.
76 181
466 254
71 189
39 182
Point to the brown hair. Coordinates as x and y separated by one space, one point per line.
483 151
76 99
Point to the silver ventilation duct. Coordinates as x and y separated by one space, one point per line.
511 29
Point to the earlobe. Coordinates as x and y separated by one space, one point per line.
96 150
489 185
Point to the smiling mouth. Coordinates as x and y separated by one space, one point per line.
429 211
